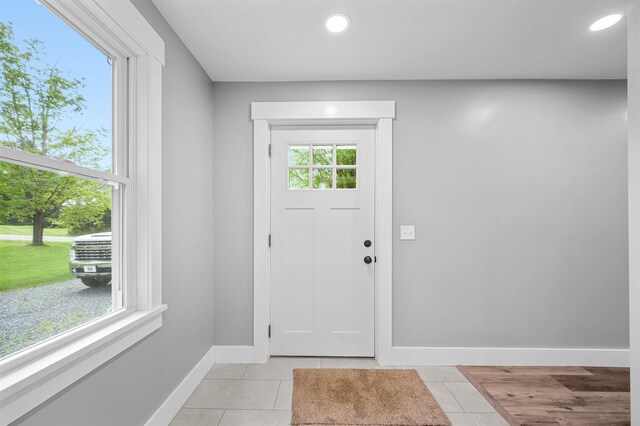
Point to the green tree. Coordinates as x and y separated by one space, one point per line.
34 99
89 212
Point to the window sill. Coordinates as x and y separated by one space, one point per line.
26 387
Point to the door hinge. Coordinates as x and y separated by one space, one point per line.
269 332
269 240
375 259
269 150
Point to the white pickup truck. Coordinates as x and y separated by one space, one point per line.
90 259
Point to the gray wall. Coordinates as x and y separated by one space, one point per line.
518 193
128 389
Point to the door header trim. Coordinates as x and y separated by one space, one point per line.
362 111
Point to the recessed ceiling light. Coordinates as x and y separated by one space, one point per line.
337 22
605 22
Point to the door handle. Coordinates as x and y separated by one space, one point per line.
367 259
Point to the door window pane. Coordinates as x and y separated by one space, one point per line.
346 178
298 155
323 155
346 155
298 178
322 178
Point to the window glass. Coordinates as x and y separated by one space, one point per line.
323 155
58 281
298 178
322 178
55 229
346 155
346 178
298 155
56 88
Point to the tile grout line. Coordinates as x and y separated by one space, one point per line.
479 393
244 372
246 367
220 420
450 393
277 394
454 397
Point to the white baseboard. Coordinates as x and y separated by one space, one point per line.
170 407
471 356
510 356
234 354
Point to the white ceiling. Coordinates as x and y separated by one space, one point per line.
285 40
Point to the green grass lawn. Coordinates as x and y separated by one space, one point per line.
23 265
28 230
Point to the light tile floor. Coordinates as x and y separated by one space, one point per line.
260 394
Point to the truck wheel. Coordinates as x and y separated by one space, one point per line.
95 282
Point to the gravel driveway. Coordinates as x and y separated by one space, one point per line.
30 315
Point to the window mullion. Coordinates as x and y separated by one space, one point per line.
310 167
334 184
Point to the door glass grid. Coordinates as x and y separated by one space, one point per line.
323 167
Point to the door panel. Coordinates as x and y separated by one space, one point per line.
322 193
298 257
343 254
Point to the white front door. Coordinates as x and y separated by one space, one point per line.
322 246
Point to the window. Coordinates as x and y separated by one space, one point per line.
321 167
56 95
109 189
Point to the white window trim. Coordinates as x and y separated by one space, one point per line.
36 374
267 114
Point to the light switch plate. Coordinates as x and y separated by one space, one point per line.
407 232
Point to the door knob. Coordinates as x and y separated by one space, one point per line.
367 259
367 243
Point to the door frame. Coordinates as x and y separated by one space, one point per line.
380 114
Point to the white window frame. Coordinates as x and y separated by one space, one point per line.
267 114
30 377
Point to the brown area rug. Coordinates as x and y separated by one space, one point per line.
363 397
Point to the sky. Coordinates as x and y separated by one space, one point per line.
72 54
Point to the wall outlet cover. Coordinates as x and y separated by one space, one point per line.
407 232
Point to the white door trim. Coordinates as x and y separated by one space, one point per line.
267 114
